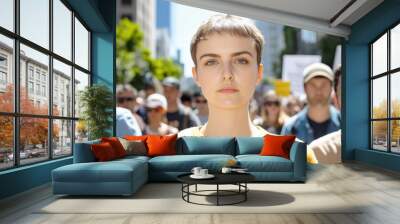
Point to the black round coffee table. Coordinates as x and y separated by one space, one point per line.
238 179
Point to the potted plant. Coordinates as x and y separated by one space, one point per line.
96 103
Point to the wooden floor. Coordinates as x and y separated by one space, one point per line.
377 188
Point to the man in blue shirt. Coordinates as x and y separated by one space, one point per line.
127 123
319 117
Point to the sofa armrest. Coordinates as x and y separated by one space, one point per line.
83 152
298 155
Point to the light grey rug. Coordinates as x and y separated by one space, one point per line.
166 198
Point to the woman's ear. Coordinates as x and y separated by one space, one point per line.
260 73
195 76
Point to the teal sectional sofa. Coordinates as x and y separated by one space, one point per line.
125 176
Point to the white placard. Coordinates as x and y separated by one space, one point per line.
292 70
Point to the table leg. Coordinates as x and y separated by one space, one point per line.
245 191
196 188
182 189
217 194
188 189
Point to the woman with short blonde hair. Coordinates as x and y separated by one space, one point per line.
226 51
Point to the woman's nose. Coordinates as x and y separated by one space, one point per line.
227 71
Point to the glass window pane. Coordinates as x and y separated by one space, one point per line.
379 135
6 74
81 45
7 14
33 140
6 142
34 72
379 56
379 98
62 89
395 94
81 81
35 21
395 47
62 141
81 131
395 136
62 29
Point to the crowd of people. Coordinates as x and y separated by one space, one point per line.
314 120
163 113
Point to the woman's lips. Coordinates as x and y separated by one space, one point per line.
228 90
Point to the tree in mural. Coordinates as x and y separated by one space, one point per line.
33 131
327 45
134 60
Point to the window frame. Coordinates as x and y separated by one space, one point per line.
16 115
388 74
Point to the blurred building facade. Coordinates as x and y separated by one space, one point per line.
274 43
142 12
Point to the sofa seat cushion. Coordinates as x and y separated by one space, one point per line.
112 171
133 158
257 163
185 163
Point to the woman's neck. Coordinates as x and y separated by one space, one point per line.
154 125
272 120
228 122
318 113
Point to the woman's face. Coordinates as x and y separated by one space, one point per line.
155 114
227 70
272 107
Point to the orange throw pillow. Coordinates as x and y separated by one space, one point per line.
136 137
276 145
116 145
103 152
160 145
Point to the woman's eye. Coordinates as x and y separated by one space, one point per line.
210 62
242 61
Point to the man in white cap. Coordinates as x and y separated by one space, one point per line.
156 107
328 148
318 118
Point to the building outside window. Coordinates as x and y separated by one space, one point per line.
43 90
30 72
385 96
35 52
44 77
30 87
37 75
3 79
3 72
38 89
3 61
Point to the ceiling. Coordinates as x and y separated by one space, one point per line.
326 16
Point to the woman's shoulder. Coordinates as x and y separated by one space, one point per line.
192 131
260 132
195 131
168 129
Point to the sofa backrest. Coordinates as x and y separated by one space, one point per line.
83 153
249 145
192 145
